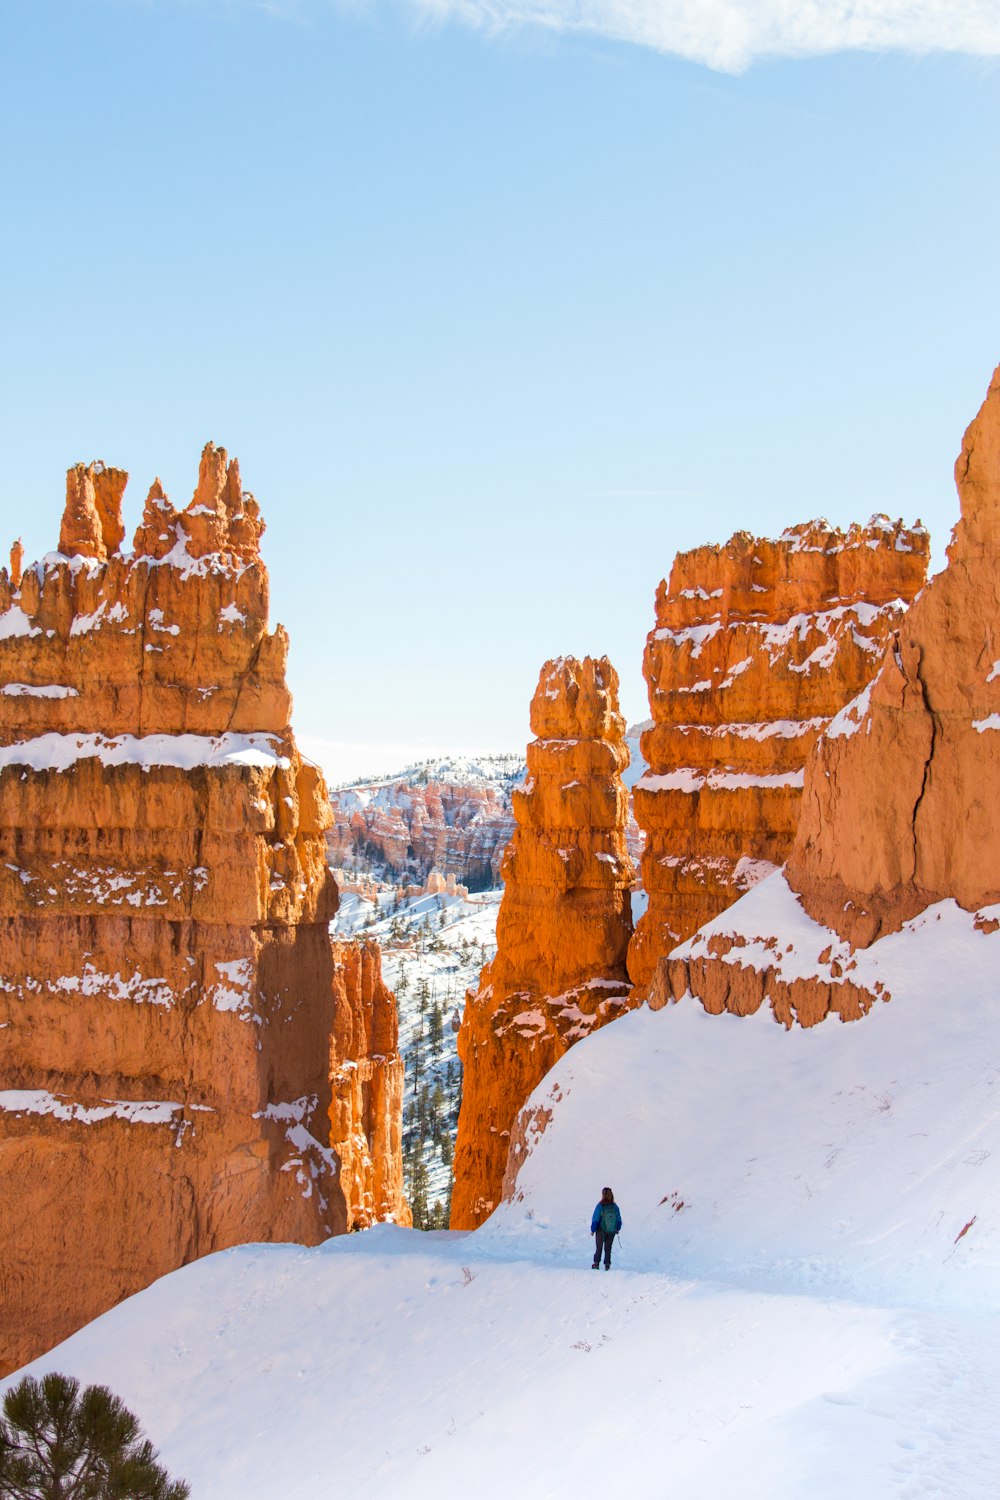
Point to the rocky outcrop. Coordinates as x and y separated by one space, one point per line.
756 646
168 990
564 922
448 819
899 811
366 1074
900 807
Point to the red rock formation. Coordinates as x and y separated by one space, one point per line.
564 921
366 1072
756 646
168 987
900 807
445 819
899 810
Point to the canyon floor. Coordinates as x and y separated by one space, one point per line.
805 1300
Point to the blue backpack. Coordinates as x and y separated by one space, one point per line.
609 1218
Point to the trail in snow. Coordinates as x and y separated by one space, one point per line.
805 1304
392 1364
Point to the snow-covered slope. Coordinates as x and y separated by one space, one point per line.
851 1159
804 1303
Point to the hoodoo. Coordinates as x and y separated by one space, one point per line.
756 646
170 1008
366 1075
564 922
899 811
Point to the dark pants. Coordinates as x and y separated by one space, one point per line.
604 1242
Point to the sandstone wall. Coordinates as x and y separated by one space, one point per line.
756 646
366 1073
901 806
899 810
167 985
564 922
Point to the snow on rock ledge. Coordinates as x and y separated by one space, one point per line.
564 922
841 1160
907 813
164 906
756 646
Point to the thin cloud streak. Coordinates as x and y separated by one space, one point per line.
730 35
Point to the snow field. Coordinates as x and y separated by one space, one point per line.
391 1364
854 1160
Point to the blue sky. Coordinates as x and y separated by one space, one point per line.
497 317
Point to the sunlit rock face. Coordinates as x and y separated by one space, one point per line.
366 1075
901 804
167 996
900 811
564 923
756 646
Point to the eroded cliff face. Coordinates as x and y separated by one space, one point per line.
901 807
756 646
366 1073
167 997
899 811
422 824
564 922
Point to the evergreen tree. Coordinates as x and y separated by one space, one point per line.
418 1193
56 1444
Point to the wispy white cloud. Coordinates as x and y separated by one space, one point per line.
731 34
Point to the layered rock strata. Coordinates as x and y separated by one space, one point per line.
564 922
901 805
366 1076
756 646
167 984
900 810
421 823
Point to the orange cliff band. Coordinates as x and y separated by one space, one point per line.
756 645
564 922
900 809
169 1006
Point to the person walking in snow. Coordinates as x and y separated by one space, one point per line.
604 1225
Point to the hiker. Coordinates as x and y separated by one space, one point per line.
604 1226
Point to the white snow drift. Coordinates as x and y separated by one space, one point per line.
805 1300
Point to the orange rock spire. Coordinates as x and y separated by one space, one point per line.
171 1009
564 922
756 646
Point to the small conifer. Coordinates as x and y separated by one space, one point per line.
57 1443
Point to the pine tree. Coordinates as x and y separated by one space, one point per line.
418 1193
56 1444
